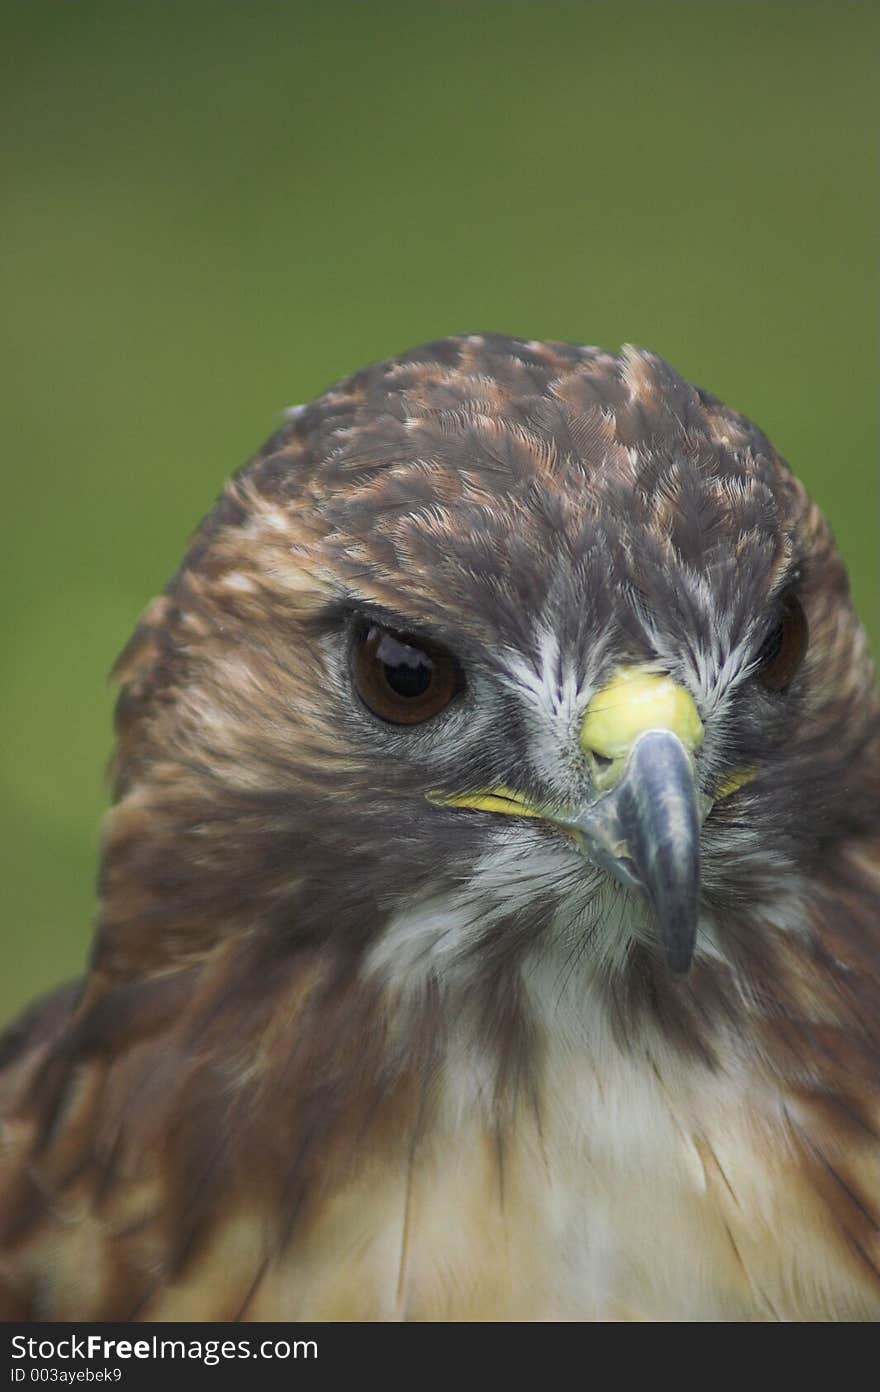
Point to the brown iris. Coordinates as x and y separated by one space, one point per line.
400 678
785 648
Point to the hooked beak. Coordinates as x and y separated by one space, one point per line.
646 833
639 736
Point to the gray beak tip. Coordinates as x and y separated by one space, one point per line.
679 955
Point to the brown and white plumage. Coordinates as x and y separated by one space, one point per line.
345 1050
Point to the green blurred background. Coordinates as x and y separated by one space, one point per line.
213 210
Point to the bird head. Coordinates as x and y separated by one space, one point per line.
497 649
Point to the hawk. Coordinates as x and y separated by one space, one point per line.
488 916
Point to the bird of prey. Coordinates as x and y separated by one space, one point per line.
488 916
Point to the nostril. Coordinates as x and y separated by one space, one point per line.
603 770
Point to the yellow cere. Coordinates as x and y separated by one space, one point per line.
492 800
735 782
635 701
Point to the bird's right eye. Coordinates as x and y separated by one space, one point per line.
400 679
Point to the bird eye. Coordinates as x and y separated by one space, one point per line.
400 679
785 647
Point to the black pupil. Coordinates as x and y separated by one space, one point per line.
772 646
407 671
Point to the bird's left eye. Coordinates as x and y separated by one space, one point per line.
785 647
400 679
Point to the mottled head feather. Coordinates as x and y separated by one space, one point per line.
544 509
